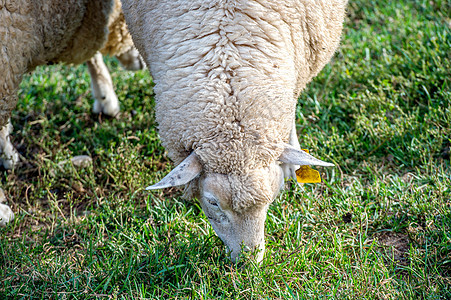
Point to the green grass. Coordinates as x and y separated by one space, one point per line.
378 227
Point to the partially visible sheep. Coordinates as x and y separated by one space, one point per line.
227 75
39 32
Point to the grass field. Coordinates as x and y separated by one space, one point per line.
378 227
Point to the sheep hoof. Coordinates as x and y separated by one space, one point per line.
107 107
10 163
9 157
6 214
97 107
111 108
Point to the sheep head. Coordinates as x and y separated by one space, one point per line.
236 204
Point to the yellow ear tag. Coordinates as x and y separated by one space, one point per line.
305 174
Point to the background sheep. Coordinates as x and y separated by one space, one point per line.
34 33
75 36
227 75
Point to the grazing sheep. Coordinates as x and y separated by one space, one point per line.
227 75
39 32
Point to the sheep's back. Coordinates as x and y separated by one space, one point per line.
227 75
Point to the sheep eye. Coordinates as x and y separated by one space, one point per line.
212 202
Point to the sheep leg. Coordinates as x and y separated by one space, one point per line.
102 87
289 170
131 60
6 214
9 156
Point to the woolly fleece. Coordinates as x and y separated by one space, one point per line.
39 32
119 39
228 74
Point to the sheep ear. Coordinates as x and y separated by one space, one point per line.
291 155
186 171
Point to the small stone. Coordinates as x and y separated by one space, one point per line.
78 187
81 161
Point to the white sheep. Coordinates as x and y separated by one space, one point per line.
227 75
37 32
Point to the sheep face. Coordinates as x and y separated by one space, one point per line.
236 204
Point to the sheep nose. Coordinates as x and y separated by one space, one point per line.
236 253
